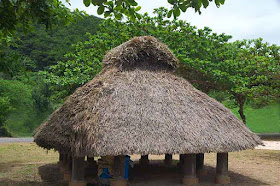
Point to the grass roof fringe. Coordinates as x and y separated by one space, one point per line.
137 105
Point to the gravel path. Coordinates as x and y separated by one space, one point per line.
14 140
268 145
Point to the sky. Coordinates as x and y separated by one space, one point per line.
243 19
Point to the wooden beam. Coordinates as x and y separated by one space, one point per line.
78 172
189 169
222 176
119 172
168 159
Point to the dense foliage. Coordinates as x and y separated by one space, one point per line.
19 67
23 14
46 47
41 69
244 69
129 8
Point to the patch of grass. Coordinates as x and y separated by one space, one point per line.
263 120
20 161
25 152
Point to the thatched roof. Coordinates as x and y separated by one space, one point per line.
138 105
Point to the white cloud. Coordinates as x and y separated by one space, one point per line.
243 19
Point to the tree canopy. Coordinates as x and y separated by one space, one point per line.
129 8
46 66
245 69
23 14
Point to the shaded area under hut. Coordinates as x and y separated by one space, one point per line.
137 105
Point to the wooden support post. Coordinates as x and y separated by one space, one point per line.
189 170
68 169
60 157
78 172
91 162
200 164
181 161
64 163
168 159
144 161
222 169
91 169
60 161
119 171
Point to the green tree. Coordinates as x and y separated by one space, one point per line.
249 70
46 47
129 8
13 96
85 62
5 108
22 14
244 69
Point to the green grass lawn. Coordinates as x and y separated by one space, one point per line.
263 120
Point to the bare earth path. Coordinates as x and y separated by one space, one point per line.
27 164
270 145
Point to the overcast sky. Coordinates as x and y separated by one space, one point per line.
243 19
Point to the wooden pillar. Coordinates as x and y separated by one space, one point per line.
91 169
64 163
222 169
189 169
168 159
119 171
144 161
200 164
60 161
78 172
68 168
181 161
60 157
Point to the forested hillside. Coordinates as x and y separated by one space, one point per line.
24 94
41 70
46 47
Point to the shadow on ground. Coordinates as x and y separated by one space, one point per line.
158 174
7 182
153 175
49 174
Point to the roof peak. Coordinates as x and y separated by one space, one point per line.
144 51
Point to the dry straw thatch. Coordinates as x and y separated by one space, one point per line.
138 105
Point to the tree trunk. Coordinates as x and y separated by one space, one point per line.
241 113
240 100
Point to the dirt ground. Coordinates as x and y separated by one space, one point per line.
27 164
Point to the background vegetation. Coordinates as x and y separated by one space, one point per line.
39 69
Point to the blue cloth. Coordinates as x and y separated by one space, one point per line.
126 167
105 173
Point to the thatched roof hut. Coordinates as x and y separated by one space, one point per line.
138 105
